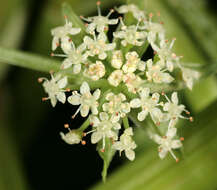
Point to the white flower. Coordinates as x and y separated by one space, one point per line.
75 57
133 63
167 143
95 71
174 110
130 35
189 76
117 59
148 105
115 77
85 99
100 23
71 137
133 82
54 88
137 13
117 106
126 144
103 127
98 46
154 31
164 52
156 74
62 33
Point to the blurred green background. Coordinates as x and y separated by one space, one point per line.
32 155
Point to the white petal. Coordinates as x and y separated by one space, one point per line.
74 99
66 64
63 82
55 41
77 68
115 118
129 131
84 88
84 110
171 132
163 153
61 97
74 31
175 98
157 139
94 109
102 56
95 137
113 21
144 93
135 103
53 101
117 146
103 116
96 94
176 144
117 126
94 120
142 115
130 154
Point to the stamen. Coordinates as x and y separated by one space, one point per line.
110 12
40 80
173 155
57 55
182 139
98 7
44 99
76 112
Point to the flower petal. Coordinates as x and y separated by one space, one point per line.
142 115
84 88
130 154
74 99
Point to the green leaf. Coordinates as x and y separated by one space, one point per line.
107 155
76 21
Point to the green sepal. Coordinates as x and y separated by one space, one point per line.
106 155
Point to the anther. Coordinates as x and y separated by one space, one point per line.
91 123
40 80
68 89
84 134
83 142
150 15
155 52
187 112
65 17
182 139
102 150
177 160
98 3
164 137
66 125
158 123
52 54
51 72
161 22
163 93
44 99
191 119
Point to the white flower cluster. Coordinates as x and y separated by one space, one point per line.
119 63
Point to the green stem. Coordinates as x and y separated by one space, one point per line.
126 122
84 125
